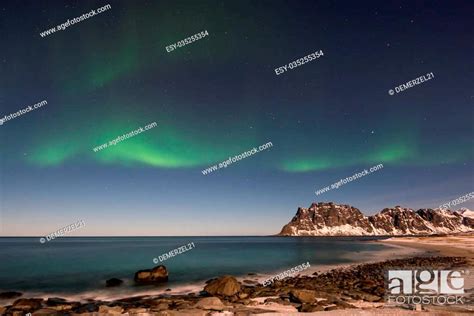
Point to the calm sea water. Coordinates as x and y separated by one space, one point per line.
79 265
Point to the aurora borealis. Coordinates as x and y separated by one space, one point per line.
219 96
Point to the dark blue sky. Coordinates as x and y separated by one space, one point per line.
219 96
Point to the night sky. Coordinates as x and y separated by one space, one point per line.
219 96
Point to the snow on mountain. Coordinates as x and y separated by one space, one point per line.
330 219
465 212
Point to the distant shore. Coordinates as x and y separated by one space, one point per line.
453 245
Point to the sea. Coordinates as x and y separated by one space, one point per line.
77 267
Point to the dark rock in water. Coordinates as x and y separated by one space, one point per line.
158 274
10 294
167 290
251 273
226 286
55 301
27 304
113 282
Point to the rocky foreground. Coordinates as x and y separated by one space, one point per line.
343 288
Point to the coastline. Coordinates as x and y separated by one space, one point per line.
118 293
260 299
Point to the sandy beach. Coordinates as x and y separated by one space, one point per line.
456 245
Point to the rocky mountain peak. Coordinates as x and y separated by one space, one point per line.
331 219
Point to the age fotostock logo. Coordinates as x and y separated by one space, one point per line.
441 287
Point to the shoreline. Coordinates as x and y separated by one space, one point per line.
130 291
270 300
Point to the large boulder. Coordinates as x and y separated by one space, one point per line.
158 274
303 296
225 285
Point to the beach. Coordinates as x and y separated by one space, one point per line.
326 289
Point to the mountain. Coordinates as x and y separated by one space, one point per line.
330 219
465 212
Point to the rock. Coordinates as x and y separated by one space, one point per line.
63 307
27 304
87 308
55 301
46 312
113 282
277 300
308 308
226 286
370 298
331 308
167 290
213 303
115 310
10 294
161 307
183 305
139 311
243 295
303 296
158 274
184 312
